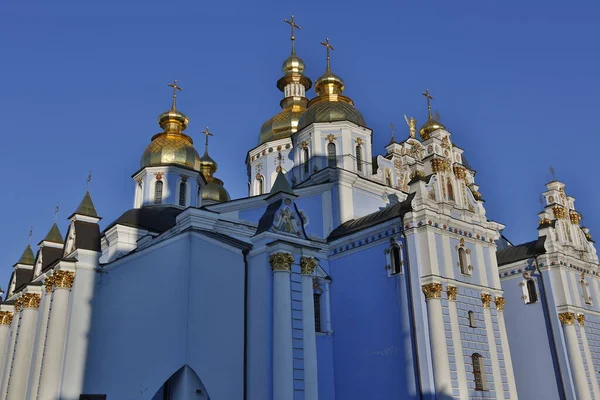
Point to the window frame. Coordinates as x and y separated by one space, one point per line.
478 372
158 200
182 186
391 267
464 263
471 318
331 156
359 158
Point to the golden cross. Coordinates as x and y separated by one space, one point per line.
329 47
552 173
392 130
429 98
293 25
175 89
30 233
207 133
56 211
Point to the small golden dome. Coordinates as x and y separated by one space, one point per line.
171 148
329 83
430 126
214 191
173 121
293 65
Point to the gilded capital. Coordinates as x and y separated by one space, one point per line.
432 290
567 318
281 261
30 300
581 319
308 265
499 300
486 299
49 283
451 291
6 317
63 279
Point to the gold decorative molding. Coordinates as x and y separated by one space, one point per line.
30 300
417 174
544 221
499 301
6 317
460 172
486 299
63 279
581 319
575 217
49 283
359 141
451 291
330 137
559 212
308 265
432 290
567 318
439 165
281 261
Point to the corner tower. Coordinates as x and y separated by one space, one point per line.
274 144
170 165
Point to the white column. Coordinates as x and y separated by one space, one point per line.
510 375
55 338
6 318
567 320
327 309
17 385
283 356
437 333
588 356
486 299
10 352
345 202
311 388
36 364
463 389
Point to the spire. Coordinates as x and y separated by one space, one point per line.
27 257
86 207
432 124
281 185
429 98
54 235
329 84
213 191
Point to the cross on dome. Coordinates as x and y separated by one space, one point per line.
175 89
293 25
207 133
429 98
329 47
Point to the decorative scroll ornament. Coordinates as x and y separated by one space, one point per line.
308 265
6 317
281 261
440 165
451 291
559 212
575 217
49 283
331 138
581 319
486 299
432 290
567 318
499 300
63 279
30 300
460 173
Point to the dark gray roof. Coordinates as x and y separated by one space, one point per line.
521 252
355 225
27 257
225 239
281 185
54 235
23 277
87 236
157 219
86 207
49 256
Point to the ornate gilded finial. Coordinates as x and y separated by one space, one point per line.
412 125
207 133
329 47
56 212
175 89
552 173
89 179
293 26
429 98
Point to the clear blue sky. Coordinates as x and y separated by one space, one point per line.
83 83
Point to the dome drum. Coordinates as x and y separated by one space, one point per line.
287 79
331 111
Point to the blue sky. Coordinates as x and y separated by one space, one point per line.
83 84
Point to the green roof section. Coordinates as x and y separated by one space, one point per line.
54 235
281 185
27 257
86 207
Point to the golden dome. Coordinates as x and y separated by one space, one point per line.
171 148
430 126
329 83
215 191
331 111
282 125
293 65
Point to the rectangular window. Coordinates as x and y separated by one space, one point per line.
317 303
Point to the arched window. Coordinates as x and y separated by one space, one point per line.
317 305
478 375
158 192
182 193
450 190
463 263
305 155
331 155
359 161
531 291
396 260
139 195
472 322
261 184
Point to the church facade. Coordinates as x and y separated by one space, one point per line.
344 274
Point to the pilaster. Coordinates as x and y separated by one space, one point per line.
311 388
588 356
489 329
567 319
463 390
510 374
6 318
